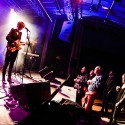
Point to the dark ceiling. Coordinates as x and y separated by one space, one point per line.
113 10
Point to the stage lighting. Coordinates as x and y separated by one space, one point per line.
12 10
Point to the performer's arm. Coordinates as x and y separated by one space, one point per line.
9 37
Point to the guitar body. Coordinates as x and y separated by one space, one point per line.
17 46
13 49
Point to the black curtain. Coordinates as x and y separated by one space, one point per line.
76 39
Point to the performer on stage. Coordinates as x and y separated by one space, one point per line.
13 46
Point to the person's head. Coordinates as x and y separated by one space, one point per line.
91 73
20 25
111 73
83 70
123 78
97 70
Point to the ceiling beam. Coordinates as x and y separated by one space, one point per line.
110 9
45 10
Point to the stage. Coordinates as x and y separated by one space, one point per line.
38 90
28 90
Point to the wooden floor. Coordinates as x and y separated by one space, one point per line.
52 114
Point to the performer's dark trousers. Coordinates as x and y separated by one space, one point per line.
10 58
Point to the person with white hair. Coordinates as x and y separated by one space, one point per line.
95 85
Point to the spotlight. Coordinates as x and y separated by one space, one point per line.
12 10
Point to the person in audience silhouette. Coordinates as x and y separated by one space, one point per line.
80 82
109 93
120 102
91 74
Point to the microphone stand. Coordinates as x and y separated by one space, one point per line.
24 64
56 91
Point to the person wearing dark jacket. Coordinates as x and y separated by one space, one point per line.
109 93
120 102
80 82
13 46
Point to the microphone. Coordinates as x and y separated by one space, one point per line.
27 29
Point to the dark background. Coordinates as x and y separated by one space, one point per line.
102 43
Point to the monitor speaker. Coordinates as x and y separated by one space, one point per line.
31 95
47 74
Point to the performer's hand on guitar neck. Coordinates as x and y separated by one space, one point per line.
30 42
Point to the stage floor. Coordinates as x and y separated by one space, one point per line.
18 115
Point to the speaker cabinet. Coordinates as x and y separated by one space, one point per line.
31 95
66 31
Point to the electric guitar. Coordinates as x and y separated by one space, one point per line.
17 45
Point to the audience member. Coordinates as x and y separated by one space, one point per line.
109 93
120 102
91 74
94 87
80 82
